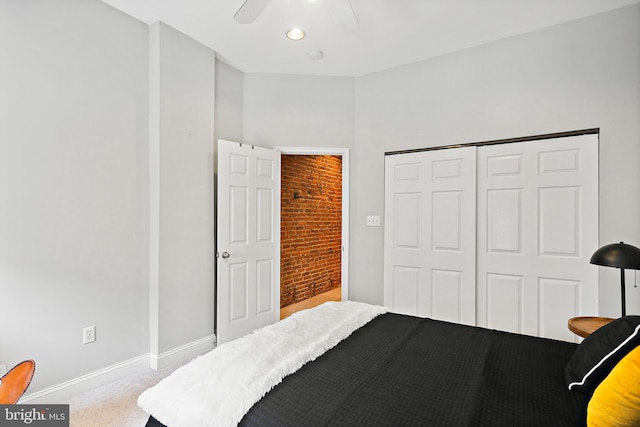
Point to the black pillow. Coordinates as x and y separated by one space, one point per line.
600 352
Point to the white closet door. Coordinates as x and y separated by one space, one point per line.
537 228
430 234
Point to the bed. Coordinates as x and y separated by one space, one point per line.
392 369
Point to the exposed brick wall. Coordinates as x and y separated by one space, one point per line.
311 226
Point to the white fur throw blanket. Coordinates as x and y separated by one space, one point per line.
219 388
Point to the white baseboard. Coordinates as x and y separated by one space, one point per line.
183 353
63 392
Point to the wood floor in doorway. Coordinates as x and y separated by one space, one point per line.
332 295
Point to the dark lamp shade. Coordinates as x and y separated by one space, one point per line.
618 255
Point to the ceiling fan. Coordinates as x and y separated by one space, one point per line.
340 10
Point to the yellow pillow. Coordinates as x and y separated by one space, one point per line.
616 401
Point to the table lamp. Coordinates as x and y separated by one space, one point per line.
619 255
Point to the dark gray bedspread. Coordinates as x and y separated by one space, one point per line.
406 371
401 371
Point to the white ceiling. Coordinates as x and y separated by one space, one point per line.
390 32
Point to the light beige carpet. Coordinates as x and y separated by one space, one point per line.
114 405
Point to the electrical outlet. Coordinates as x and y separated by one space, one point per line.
88 334
373 221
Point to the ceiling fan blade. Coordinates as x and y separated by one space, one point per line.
250 10
343 14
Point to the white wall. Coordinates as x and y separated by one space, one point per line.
106 190
73 186
295 110
583 74
182 123
229 106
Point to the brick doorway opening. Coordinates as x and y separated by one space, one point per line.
310 231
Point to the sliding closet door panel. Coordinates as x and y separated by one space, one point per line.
496 235
450 234
505 301
406 296
559 221
446 294
446 225
559 301
505 224
406 224
403 234
537 222
430 234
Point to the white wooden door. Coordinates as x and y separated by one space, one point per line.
248 239
430 234
537 228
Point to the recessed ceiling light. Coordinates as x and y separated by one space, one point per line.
295 34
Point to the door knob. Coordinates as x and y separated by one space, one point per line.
225 255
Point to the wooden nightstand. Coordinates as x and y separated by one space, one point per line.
585 325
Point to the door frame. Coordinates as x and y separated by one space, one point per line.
344 153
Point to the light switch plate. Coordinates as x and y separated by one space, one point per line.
373 221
